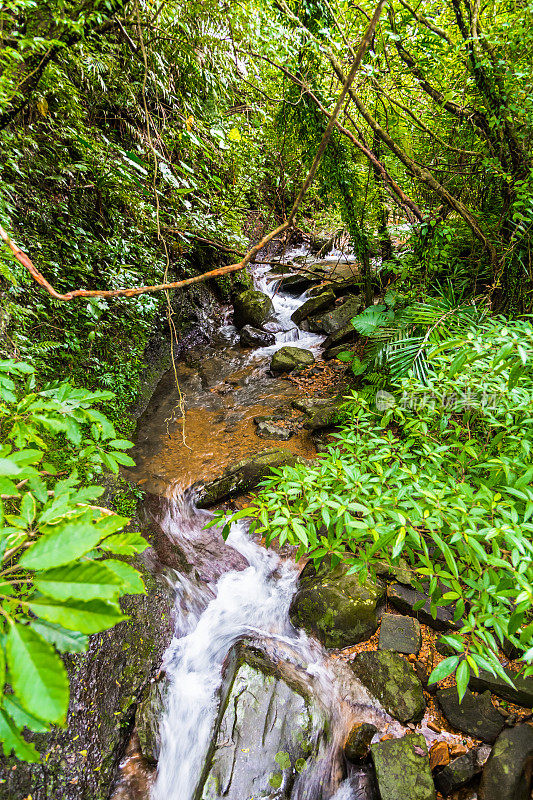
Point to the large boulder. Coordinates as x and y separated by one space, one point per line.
254 337
252 307
474 715
242 476
313 306
521 693
326 415
402 769
332 321
286 359
507 773
392 680
335 607
358 742
345 335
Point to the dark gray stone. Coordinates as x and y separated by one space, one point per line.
520 695
254 337
358 741
507 773
296 284
335 607
462 770
404 598
338 318
243 476
345 335
402 769
313 306
391 679
269 430
401 634
475 715
286 359
252 307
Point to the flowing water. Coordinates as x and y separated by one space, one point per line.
237 594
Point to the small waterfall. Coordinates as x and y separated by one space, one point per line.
248 603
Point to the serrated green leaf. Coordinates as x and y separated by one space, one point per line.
75 615
64 640
37 674
90 580
66 544
131 580
124 544
13 741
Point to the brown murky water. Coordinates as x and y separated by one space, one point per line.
222 389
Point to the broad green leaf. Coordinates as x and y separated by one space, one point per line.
124 544
75 615
64 545
89 580
131 580
13 741
21 717
444 669
64 640
37 674
462 677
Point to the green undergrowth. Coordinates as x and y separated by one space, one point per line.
435 473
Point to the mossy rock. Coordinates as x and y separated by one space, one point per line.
402 769
252 307
243 475
393 682
335 607
313 306
337 319
287 359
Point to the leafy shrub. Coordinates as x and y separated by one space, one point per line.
442 480
59 581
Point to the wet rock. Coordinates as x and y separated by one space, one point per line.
335 607
321 244
313 306
358 741
296 284
520 695
310 404
401 634
404 598
252 307
439 755
263 719
269 430
334 352
390 678
326 416
462 770
345 335
286 359
402 769
507 773
338 318
254 337
475 715
148 717
243 476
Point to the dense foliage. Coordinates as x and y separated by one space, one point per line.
435 477
143 142
60 578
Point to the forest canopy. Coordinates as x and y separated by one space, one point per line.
147 143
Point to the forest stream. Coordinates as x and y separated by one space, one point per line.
247 705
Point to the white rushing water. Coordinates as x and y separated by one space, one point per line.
251 602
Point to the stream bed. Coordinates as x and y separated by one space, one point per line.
247 706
